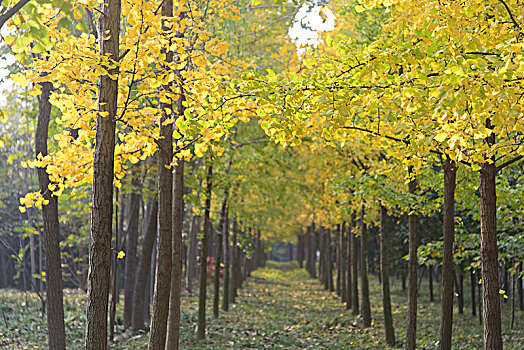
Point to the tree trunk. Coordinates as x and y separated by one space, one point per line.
201 331
192 252
366 311
513 292
343 265
354 266
446 313
489 257
473 285
55 299
218 261
460 290
384 270
411 331
329 261
173 323
227 263
338 251
144 267
103 173
519 288
131 259
234 265
348 263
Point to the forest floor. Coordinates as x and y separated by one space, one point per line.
278 308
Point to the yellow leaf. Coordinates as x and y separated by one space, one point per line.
22 209
441 137
121 254
20 79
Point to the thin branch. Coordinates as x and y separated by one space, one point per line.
12 11
266 26
509 162
510 14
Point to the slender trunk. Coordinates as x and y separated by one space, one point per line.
513 292
218 261
234 263
473 287
131 259
144 267
411 330
520 289
446 313
103 173
192 252
343 265
338 243
354 266
348 263
489 258
173 323
460 290
366 310
384 270
55 299
227 262
329 261
201 331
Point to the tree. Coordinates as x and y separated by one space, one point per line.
102 207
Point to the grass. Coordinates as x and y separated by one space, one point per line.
279 308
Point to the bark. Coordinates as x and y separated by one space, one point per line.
227 263
366 310
354 266
103 173
218 261
338 250
144 267
192 252
512 321
201 331
329 261
164 260
459 283
489 258
446 313
473 285
300 250
131 259
343 265
173 325
55 299
519 288
234 265
384 271
411 330
349 281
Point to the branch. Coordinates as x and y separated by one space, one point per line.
509 162
510 14
396 139
12 11
265 27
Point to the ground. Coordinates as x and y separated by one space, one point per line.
278 308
